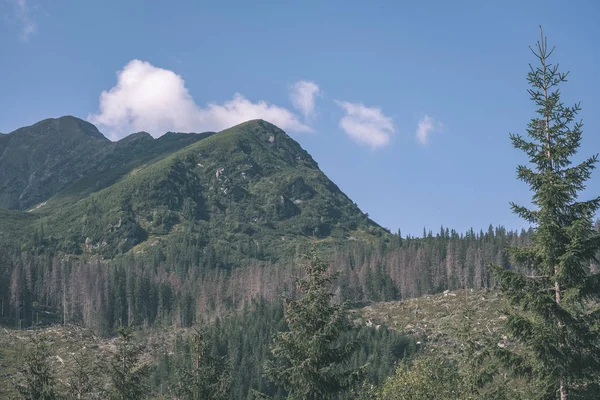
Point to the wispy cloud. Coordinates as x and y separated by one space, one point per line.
303 95
425 128
23 16
156 100
367 126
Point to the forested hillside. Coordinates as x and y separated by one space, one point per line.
166 287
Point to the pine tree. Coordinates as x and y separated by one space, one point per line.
39 382
128 376
310 360
550 312
208 377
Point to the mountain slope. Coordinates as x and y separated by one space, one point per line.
121 158
249 192
39 161
248 189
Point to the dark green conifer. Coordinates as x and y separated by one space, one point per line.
310 360
38 381
85 376
551 314
129 377
208 377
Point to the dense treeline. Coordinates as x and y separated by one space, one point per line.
243 339
220 360
170 288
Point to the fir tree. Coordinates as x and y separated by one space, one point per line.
550 311
39 382
310 360
128 376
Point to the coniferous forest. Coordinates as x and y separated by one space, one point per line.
228 266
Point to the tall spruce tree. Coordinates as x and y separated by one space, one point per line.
310 360
203 376
85 376
128 376
38 381
551 313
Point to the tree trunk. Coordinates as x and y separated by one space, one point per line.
563 391
562 386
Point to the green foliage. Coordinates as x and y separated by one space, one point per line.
38 381
426 378
310 360
204 376
243 339
551 314
477 368
85 376
128 375
247 193
463 328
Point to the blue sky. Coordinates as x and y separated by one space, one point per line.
376 70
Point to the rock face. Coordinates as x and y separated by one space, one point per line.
235 192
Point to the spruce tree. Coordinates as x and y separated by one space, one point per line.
38 381
551 314
85 376
208 377
128 376
310 360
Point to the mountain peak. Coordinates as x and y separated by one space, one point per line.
67 124
136 136
247 191
255 126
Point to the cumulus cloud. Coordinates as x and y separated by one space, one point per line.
425 128
303 95
23 15
156 100
367 126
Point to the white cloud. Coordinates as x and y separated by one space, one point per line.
367 126
23 15
425 128
155 100
302 95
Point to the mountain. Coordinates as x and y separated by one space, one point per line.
249 192
38 161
